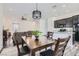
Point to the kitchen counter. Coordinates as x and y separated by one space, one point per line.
57 35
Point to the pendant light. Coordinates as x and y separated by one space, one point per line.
36 14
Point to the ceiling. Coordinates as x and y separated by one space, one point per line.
47 9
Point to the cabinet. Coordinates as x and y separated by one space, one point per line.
68 22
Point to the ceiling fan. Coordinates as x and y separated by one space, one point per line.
23 18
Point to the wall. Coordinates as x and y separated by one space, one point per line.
1 18
43 25
28 25
25 25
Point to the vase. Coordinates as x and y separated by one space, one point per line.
36 38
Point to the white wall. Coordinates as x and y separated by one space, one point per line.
1 18
43 26
25 25
28 26
32 25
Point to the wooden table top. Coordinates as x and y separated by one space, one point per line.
32 44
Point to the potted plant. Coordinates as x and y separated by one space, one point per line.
36 34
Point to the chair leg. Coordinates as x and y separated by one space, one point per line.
22 43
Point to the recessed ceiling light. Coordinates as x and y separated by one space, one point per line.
54 10
63 5
54 6
10 9
67 10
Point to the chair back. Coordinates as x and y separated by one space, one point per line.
29 33
60 46
49 35
18 36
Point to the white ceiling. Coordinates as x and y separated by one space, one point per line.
47 9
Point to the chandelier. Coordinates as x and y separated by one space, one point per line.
36 14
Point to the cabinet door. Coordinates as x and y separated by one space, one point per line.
67 23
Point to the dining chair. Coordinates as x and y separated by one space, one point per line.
49 35
17 36
23 50
29 33
59 48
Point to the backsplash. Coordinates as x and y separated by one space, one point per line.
67 29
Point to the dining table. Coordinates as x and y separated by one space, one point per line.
35 46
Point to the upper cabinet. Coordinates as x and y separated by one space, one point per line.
67 22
